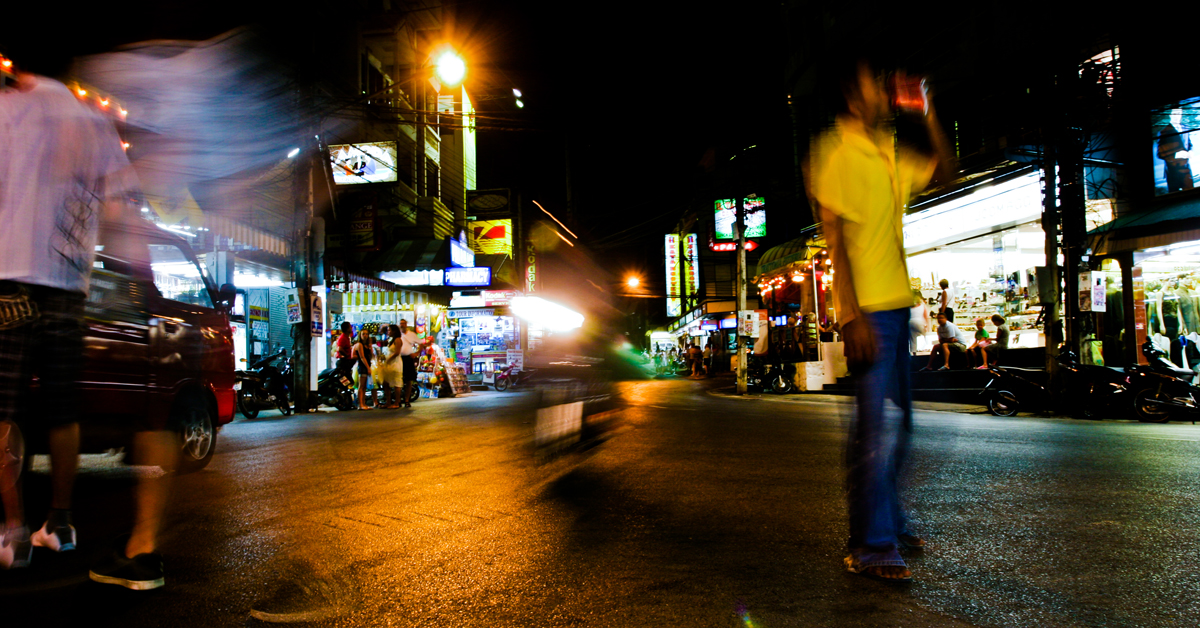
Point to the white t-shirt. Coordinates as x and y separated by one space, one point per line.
59 163
408 342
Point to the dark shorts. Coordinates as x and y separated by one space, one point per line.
41 333
410 368
954 347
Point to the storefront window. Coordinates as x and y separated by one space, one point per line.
991 274
1171 280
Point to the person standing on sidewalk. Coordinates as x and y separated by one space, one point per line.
860 183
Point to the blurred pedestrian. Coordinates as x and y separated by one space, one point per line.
708 360
62 170
918 321
860 180
363 353
409 345
697 359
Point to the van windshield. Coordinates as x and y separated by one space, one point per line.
177 276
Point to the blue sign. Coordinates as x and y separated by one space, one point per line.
460 252
478 276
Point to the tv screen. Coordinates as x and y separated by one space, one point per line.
363 163
1176 131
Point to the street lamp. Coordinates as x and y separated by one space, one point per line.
633 282
449 68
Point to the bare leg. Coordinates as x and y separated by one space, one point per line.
12 461
156 449
64 460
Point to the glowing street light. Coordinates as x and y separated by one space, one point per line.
449 67
633 282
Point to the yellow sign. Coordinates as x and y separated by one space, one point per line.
492 237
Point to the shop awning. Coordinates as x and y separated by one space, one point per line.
1178 221
798 250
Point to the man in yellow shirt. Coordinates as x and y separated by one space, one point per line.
860 183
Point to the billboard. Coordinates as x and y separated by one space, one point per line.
725 217
674 303
691 264
489 204
492 237
363 163
1175 130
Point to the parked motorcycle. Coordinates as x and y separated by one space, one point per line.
508 378
1162 391
1086 391
263 386
334 388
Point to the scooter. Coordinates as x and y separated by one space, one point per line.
334 388
1162 391
263 386
507 378
1086 391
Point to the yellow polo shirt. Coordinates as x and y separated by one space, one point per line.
863 181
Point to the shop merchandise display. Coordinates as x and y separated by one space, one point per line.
988 297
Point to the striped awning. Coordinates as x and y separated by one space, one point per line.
798 250
247 236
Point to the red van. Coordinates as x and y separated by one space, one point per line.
159 348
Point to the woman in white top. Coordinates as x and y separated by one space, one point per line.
944 301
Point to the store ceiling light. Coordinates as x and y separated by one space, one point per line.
246 280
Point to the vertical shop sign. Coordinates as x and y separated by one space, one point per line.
691 270
318 311
1091 292
530 268
674 303
1139 311
362 230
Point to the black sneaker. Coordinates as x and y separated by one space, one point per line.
140 573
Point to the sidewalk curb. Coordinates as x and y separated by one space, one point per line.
844 400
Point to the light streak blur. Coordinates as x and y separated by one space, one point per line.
549 315
555 219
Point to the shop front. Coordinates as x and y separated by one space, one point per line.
987 242
484 335
1156 254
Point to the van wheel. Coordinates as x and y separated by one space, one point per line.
193 422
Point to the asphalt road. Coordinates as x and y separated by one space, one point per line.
702 511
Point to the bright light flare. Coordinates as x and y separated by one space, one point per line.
551 316
293 152
633 282
516 92
450 68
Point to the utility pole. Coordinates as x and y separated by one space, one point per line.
1050 321
741 292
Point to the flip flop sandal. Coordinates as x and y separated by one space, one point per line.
863 563
911 541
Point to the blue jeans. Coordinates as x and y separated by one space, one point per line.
878 441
